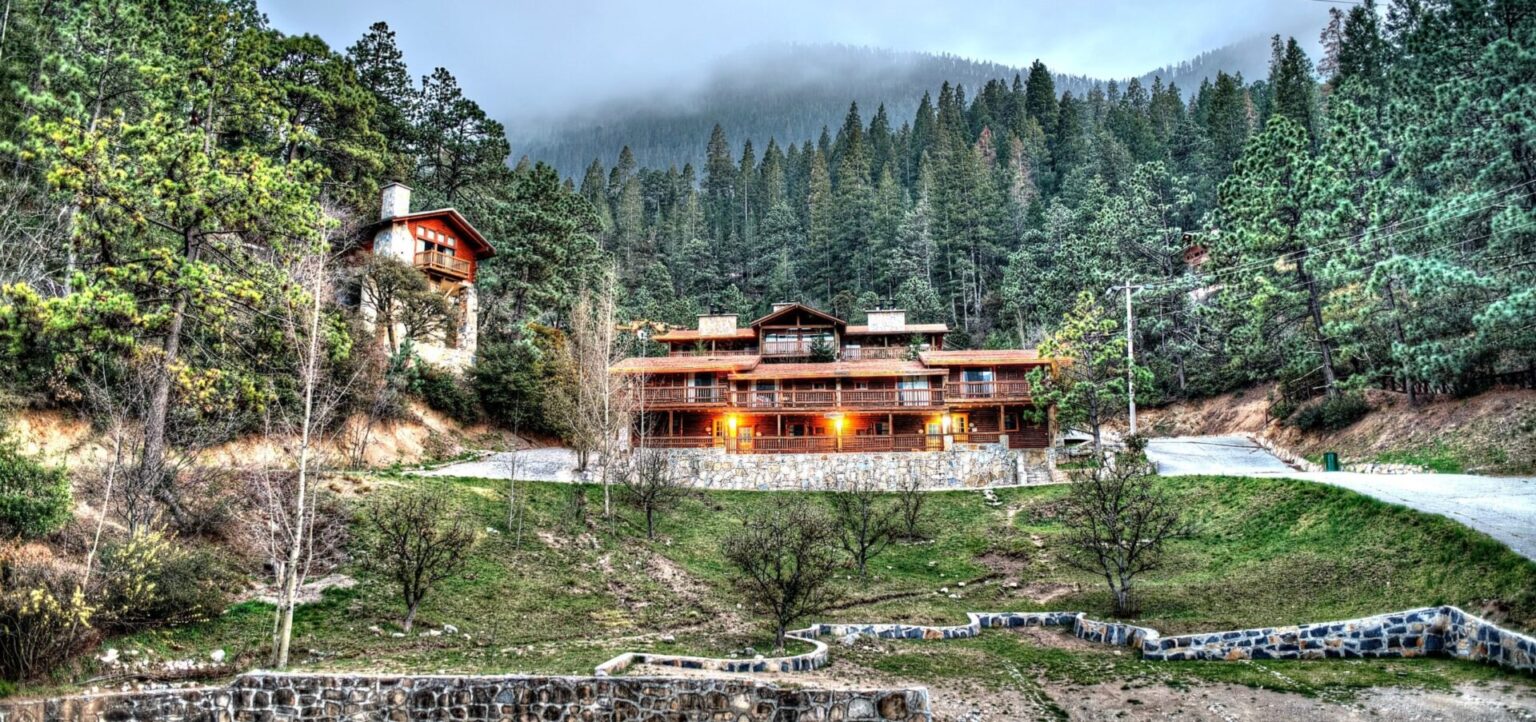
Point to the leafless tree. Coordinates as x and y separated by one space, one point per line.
651 484
404 302
786 559
305 279
866 520
1119 523
34 236
512 465
601 408
910 499
420 537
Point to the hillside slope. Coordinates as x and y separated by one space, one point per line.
1491 433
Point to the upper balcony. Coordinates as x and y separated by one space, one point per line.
444 264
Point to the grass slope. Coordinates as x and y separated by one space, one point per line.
1266 552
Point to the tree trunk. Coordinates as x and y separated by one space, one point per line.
152 467
291 583
410 616
1315 310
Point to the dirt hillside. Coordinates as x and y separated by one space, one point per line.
429 436
1491 433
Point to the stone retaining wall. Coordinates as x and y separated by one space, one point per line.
969 467
1430 631
266 696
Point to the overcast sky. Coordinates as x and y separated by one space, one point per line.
532 57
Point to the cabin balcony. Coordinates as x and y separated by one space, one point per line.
839 398
704 353
709 395
443 263
791 347
987 391
869 353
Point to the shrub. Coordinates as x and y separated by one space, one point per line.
444 391
34 499
1331 414
44 618
150 581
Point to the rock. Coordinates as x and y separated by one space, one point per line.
450 629
217 656
668 638
110 657
848 639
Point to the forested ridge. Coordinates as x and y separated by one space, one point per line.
791 91
1367 218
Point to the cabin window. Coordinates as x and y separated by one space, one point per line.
1011 422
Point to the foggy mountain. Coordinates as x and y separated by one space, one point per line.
789 92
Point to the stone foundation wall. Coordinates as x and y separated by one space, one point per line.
264 696
971 467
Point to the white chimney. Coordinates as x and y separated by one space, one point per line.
717 324
893 320
394 201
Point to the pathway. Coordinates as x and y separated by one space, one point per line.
1501 507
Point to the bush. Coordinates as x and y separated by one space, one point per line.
1331 414
151 581
444 391
34 499
44 618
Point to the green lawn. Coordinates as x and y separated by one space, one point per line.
1265 552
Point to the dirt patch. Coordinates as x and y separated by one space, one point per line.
1118 701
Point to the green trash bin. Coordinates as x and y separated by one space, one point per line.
1330 461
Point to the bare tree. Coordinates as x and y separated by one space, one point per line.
866 520
601 408
306 282
651 484
1119 523
910 499
512 465
420 537
786 561
404 302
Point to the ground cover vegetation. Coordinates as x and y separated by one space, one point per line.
570 593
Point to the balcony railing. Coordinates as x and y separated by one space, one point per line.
987 390
442 263
799 346
867 353
684 395
837 399
694 352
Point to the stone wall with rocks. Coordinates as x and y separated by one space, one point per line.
967 467
268 696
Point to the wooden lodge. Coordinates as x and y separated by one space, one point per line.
802 380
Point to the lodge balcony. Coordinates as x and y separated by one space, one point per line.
955 393
822 444
443 263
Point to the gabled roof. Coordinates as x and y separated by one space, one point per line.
683 364
793 307
997 357
454 218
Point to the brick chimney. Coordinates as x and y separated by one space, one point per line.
394 201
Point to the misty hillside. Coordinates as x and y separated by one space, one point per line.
790 92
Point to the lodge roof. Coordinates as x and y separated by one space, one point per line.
994 357
864 330
453 217
692 334
684 364
790 308
837 369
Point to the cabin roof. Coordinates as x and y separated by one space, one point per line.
683 364
864 330
792 308
693 334
452 217
990 357
838 369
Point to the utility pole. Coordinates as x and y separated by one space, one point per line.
1130 352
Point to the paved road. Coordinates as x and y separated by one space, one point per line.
543 464
1501 507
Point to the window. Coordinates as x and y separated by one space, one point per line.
1011 422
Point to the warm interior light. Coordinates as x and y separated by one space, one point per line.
947 421
731 421
837 424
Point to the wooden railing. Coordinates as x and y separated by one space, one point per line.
682 395
442 263
676 442
707 352
866 353
837 399
791 347
986 390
